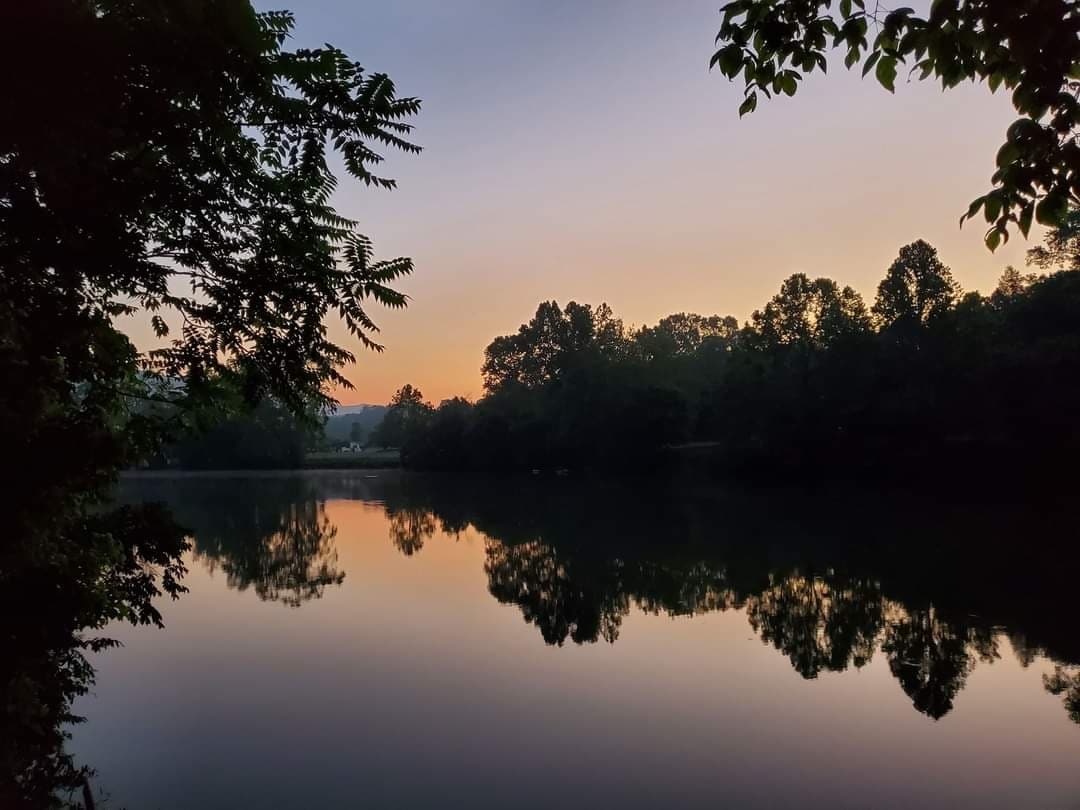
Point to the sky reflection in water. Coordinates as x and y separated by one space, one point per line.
355 641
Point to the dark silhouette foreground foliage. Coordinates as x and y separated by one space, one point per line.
168 160
1029 47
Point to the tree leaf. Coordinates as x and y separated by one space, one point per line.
1008 153
870 62
1026 214
973 209
1051 210
886 73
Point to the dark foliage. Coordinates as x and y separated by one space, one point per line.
268 437
406 414
830 577
169 160
273 537
927 380
1029 47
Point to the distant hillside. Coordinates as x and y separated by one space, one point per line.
344 410
339 427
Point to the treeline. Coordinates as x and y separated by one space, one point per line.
816 379
266 436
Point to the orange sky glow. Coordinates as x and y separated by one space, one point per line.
584 152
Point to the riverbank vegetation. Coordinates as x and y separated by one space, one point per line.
268 436
816 381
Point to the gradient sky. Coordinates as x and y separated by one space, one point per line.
582 150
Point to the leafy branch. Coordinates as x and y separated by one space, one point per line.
1029 47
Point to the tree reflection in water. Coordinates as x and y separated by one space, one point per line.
576 559
272 536
1066 681
557 595
292 559
410 528
819 624
575 566
931 658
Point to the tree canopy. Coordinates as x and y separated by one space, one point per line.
209 205
918 582
172 161
1028 47
543 348
685 333
811 313
916 288
406 413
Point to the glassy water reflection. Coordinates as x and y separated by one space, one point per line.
358 640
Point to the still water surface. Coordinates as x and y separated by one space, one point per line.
380 640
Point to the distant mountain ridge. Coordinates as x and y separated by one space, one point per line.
342 410
339 427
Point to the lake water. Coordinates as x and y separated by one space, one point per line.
387 640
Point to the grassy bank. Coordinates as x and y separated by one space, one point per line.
368 460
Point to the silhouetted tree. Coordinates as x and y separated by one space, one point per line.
810 314
357 433
1062 247
684 334
1011 286
406 415
170 160
550 344
916 289
444 441
812 384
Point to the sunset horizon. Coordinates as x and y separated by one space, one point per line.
624 175
516 404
